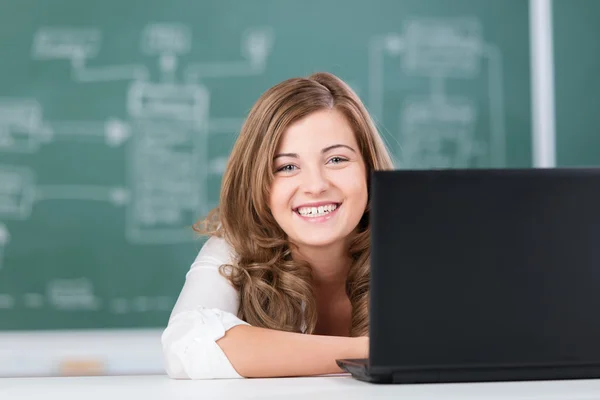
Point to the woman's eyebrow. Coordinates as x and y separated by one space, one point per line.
325 150
335 146
293 155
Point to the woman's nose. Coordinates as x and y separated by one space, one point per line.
314 181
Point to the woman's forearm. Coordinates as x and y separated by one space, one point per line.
260 353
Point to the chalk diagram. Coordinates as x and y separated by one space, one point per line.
435 129
165 133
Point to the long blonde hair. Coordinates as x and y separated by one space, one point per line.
276 290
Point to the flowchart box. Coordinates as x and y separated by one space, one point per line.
179 102
167 164
438 134
17 192
443 47
170 38
66 43
21 125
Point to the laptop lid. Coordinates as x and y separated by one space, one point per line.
485 268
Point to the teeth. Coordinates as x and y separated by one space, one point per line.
316 211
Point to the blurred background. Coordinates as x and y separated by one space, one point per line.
117 118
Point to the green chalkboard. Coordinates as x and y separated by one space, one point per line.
577 82
116 119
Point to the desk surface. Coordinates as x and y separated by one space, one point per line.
330 387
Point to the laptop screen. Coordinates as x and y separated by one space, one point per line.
485 267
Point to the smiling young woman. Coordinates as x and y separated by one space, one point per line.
281 286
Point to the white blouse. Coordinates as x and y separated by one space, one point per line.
205 309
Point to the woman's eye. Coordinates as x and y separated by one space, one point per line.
337 160
286 168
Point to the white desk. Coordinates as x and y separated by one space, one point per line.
331 387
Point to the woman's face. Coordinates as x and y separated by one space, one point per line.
319 192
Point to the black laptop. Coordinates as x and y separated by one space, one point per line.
483 275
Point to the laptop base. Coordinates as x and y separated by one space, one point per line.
359 369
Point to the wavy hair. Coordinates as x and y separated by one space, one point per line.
275 290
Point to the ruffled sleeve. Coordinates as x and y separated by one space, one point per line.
205 310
